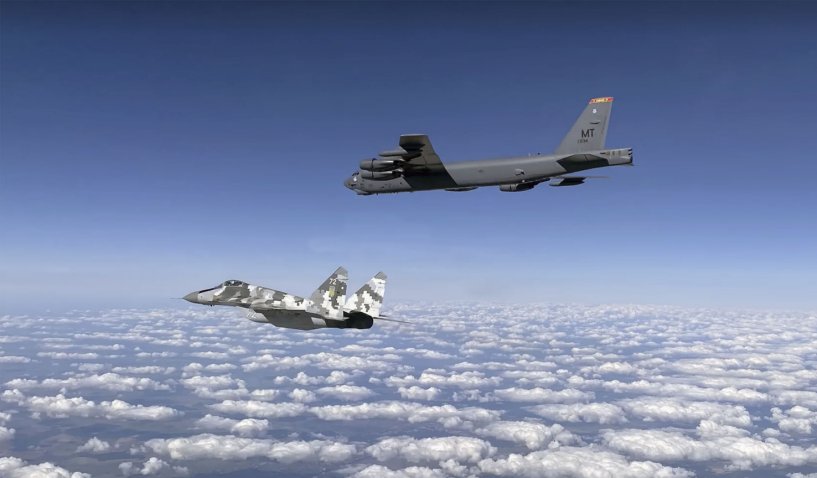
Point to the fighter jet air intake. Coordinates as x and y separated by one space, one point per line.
416 167
326 307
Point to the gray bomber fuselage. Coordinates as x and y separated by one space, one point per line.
415 166
496 172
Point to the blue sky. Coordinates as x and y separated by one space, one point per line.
149 149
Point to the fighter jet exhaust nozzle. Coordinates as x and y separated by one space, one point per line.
358 320
381 176
380 164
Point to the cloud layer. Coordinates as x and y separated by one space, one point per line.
465 390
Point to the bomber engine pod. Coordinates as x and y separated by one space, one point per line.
380 164
515 188
381 175
393 152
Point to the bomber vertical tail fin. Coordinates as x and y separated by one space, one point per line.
590 130
369 298
329 298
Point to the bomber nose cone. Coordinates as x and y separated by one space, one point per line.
192 297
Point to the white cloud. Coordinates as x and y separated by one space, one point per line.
432 378
60 406
302 395
611 368
195 368
797 397
209 354
11 467
577 463
418 393
692 392
532 435
672 410
531 377
409 411
227 447
795 420
153 466
457 448
145 369
603 413
218 387
337 377
346 392
255 408
539 394
265 394
746 377
106 381
14 359
68 355
94 445
379 471
127 468
245 427
741 452
6 434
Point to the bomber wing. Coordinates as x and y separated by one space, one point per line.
415 161
419 156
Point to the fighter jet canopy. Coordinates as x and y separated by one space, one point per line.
233 283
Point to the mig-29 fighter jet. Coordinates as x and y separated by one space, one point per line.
326 307
416 167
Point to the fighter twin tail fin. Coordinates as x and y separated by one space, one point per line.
329 298
369 298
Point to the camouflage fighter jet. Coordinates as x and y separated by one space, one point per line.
416 167
326 307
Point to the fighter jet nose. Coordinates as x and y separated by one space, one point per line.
192 297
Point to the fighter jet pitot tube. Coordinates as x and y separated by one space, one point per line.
414 166
326 307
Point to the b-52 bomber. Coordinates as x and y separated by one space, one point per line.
326 307
416 167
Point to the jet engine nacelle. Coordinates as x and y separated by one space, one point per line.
381 175
393 152
556 182
515 188
359 320
256 317
380 164
406 155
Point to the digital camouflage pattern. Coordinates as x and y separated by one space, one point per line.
369 298
326 307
